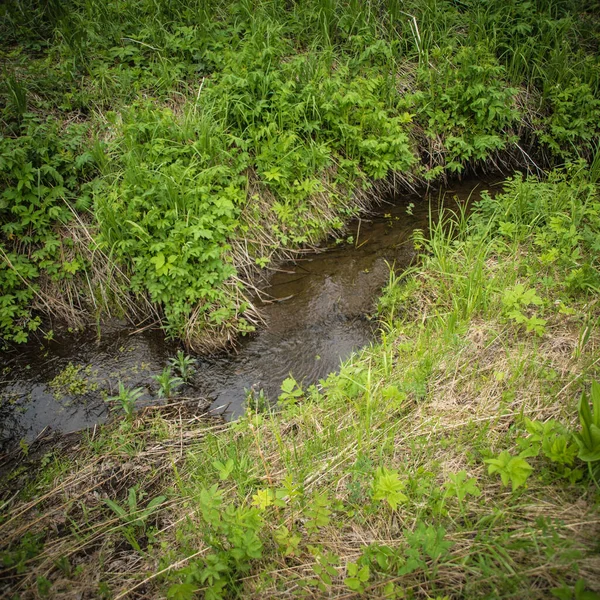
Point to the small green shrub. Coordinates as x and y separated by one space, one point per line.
466 100
512 469
387 486
232 534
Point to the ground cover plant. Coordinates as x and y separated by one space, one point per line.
157 157
458 457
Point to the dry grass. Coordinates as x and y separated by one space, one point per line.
466 409
68 511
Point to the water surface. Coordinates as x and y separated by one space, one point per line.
320 311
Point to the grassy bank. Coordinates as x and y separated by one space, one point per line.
453 459
157 157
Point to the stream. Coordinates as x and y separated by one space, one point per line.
320 312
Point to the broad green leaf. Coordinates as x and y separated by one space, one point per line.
512 469
158 260
118 510
181 591
387 486
155 502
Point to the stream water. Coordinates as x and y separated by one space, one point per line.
318 315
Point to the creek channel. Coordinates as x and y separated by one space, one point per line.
318 315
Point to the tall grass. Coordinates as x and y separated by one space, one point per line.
307 108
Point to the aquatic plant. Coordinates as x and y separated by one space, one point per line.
184 365
125 399
167 383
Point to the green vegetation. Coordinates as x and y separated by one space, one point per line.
73 380
167 383
184 365
125 400
155 156
134 518
456 458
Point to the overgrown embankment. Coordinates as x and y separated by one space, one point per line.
157 156
457 458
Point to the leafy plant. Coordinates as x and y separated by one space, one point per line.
464 98
126 399
425 542
167 382
357 577
512 469
232 536
224 469
256 402
182 591
43 174
317 512
574 117
43 586
588 438
133 517
291 392
184 365
179 262
16 556
387 486
73 380
461 487
552 439
516 301
287 541
324 569
264 498
578 592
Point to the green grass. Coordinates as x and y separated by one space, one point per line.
208 139
157 157
377 482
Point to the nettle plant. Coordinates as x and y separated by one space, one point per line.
169 211
43 173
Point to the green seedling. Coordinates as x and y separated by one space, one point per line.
167 382
134 517
184 365
125 400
